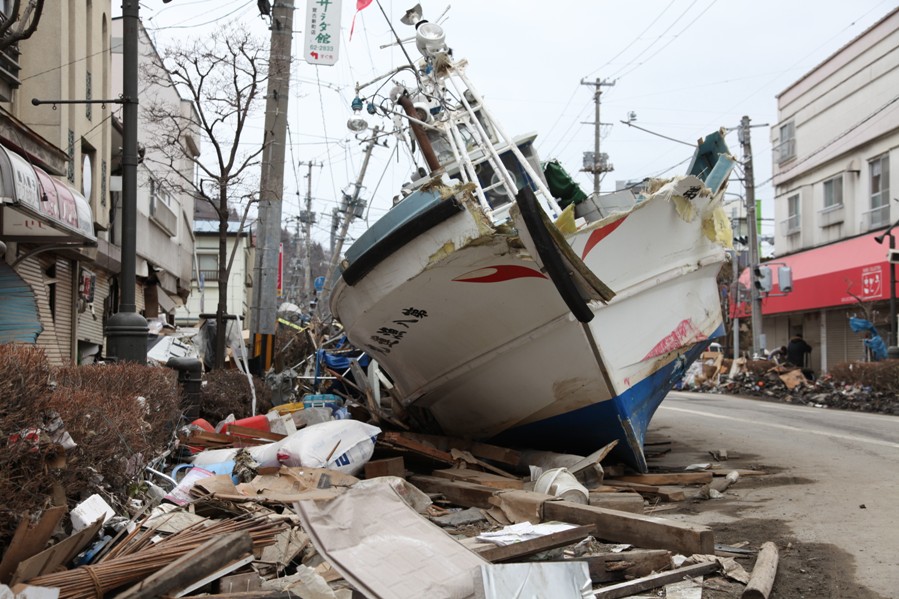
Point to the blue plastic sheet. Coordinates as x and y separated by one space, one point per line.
874 341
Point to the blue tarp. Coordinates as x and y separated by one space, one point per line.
874 341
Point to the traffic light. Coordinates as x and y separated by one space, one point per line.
785 279
762 278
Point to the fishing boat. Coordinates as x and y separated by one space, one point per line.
505 307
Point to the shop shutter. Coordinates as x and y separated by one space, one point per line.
19 320
842 344
32 272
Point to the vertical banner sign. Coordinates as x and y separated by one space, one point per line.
322 31
280 270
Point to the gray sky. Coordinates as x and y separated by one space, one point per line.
685 67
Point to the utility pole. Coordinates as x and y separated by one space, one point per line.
263 310
307 217
749 184
597 166
350 203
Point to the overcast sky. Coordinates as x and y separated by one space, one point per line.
685 67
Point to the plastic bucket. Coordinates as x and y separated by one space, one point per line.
559 482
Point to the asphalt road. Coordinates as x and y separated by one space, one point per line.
841 471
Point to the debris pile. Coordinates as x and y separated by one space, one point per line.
857 386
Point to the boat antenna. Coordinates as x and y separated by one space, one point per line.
398 40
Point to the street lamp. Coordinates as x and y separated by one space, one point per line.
879 239
126 330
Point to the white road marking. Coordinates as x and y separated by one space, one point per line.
787 427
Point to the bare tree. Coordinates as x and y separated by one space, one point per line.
20 23
222 76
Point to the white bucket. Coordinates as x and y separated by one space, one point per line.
559 482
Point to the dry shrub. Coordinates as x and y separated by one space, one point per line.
879 376
24 400
117 432
292 346
228 392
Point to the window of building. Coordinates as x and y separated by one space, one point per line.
880 182
833 192
786 149
792 223
88 95
209 266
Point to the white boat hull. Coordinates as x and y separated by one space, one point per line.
478 340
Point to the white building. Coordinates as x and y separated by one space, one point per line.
836 137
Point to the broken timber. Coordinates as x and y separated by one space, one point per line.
626 589
530 547
763 573
612 525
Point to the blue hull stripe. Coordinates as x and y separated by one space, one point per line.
625 418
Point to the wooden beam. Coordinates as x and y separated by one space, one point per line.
643 531
670 478
613 567
481 478
416 446
515 551
763 573
458 492
632 587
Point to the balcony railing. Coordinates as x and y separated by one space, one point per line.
875 217
791 224
832 215
210 275
164 216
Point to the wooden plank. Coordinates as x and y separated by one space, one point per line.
458 492
480 478
503 455
613 567
625 502
530 547
29 540
245 431
643 531
626 589
56 555
406 442
385 467
763 573
649 491
669 478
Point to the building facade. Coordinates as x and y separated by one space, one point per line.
835 141
55 170
204 294
60 188
165 201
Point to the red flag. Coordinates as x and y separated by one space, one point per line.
360 4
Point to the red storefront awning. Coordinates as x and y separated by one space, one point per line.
830 276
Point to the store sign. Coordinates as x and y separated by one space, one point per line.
87 285
872 282
322 41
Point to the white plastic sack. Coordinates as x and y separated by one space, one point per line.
344 445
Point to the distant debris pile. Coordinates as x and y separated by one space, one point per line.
857 386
